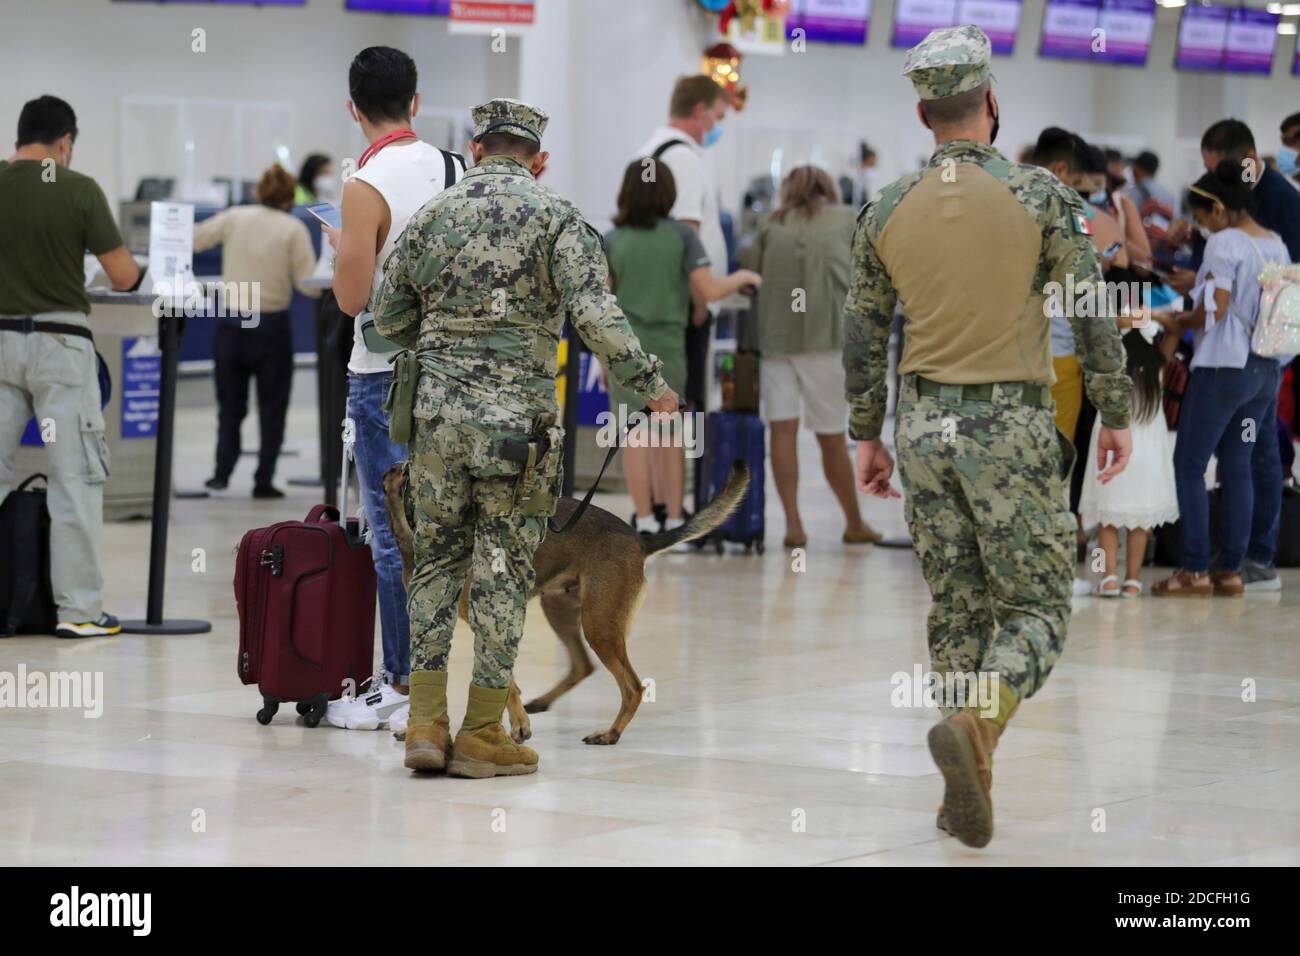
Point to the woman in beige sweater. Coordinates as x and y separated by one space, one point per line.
803 252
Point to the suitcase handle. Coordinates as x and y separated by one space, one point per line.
328 512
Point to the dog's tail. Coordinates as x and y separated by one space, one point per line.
708 518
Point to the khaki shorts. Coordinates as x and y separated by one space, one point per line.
808 386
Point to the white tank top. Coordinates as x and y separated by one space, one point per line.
407 177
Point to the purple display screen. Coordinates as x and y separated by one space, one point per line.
437 8
830 21
1126 27
1230 39
228 3
1252 38
1068 27
914 19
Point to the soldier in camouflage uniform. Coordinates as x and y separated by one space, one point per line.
969 245
480 285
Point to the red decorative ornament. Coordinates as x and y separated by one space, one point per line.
722 64
749 10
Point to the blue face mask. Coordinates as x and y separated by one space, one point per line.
1099 198
1286 160
713 135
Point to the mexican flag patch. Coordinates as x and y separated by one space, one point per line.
1081 224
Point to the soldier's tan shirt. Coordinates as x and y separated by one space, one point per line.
971 246
963 255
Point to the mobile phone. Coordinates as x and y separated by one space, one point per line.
1112 250
327 213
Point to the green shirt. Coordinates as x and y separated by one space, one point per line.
49 217
651 270
806 266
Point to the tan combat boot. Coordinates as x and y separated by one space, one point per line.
482 747
962 746
428 732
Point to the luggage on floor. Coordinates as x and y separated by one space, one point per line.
26 596
728 437
1288 532
305 591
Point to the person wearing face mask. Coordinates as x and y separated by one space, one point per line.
1288 154
695 113
1274 205
396 175
969 243
50 216
1230 407
317 181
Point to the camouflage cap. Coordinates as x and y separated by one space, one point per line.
949 61
509 116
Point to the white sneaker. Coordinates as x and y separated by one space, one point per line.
672 524
399 719
368 712
1082 588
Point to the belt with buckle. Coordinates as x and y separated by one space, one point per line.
1031 393
28 325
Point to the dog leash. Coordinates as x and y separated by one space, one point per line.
609 456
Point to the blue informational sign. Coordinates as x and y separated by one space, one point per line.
592 397
141 387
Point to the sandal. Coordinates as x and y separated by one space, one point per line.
864 535
1103 591
1183 583
1227 584
1131 588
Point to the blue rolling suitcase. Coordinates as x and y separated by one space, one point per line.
729 436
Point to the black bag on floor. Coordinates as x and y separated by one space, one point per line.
26 596
1288 531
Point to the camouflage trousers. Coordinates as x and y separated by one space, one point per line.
989 516
461 503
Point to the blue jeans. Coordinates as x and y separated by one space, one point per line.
375 453
1231 413
1266 471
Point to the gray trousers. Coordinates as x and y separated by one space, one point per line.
55 378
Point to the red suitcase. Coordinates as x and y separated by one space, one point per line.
305 591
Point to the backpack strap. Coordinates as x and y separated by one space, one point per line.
449 161
664 147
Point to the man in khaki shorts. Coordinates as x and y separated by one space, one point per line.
49 216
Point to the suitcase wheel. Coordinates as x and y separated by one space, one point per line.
758 546
718 547
267 712
313 710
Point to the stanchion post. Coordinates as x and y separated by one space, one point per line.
169 346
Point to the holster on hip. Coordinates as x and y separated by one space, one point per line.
539 458
400 404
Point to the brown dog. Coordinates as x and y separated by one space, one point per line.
590 580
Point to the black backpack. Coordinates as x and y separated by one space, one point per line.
26 596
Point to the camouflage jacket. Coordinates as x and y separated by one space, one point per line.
1065 251
480 284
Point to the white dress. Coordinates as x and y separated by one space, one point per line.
1143 494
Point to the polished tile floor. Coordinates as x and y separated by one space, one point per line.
1168 734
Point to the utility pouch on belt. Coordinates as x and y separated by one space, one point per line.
372 339
400 405
537 488
1067 453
